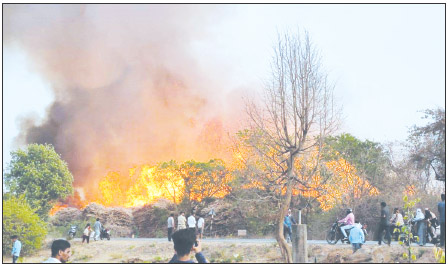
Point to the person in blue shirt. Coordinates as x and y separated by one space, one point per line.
16 248
356 236
287 225
441 209
185 241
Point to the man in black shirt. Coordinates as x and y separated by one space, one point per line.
384 224
185 241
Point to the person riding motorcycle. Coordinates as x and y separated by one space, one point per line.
396 222
349 222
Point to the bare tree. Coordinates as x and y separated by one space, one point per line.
297 113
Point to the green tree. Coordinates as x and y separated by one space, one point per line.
369 158
40 174
19 219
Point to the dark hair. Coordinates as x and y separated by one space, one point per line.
97 219
59 244
383 204
442 196
172 214
183 241
14 237
396 209
182 213
87 226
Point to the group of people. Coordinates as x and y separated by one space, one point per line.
425 223
97 226
182 222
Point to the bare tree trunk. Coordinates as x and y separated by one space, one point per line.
284 247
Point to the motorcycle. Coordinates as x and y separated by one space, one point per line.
105 234
335 234
72 232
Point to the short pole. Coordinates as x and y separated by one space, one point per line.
299 244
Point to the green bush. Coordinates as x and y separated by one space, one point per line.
21 220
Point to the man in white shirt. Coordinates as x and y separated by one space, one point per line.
192 221
201 224
170 226
181 221
16 248
60 252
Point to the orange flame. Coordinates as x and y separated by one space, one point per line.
57 207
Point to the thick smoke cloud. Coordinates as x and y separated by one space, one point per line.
127 85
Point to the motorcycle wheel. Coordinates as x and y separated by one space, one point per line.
108 238
331 237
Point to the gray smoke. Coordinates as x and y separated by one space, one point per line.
128 89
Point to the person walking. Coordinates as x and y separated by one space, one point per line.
16 248
170 226
421 226
201 223
60 252
356 237
86 234
441 209
181 221
97 227
384 224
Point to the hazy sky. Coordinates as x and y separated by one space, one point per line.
387 62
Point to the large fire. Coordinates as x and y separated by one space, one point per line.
198 180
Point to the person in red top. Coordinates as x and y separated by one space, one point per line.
349 222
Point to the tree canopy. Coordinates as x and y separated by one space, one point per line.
19 219
41 175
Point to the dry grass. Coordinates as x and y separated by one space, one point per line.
216 252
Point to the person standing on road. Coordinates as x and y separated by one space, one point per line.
60 252
421 226
201 223
170 226
97 227
441 209
16 248
192 222
86 234
181 221
384 224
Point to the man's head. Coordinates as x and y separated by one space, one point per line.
97 219
60 249
184 240
396 210
172 214
182 213
14 238
348 211
383 204
442 197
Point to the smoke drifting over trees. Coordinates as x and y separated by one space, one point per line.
128 88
